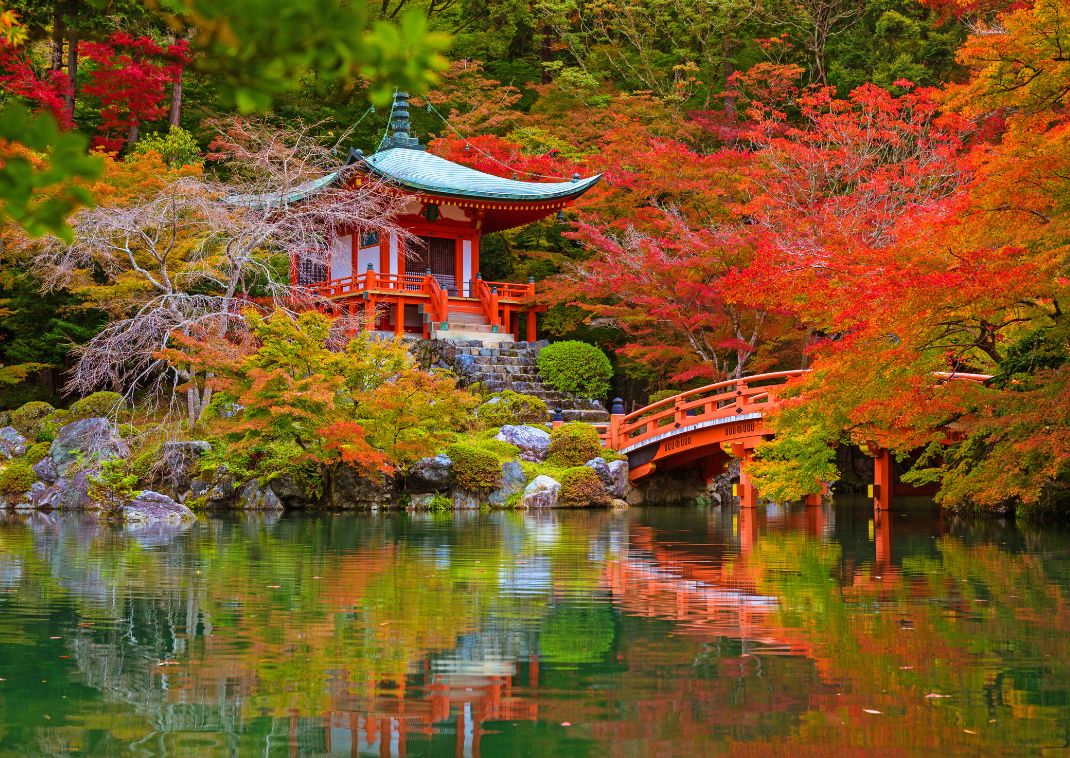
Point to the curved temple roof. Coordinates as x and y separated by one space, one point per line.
425 172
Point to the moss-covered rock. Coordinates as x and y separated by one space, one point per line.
29 420
581 488
474 468
508 407
16 477
574 444
106 404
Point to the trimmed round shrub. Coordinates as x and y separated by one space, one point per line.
582 488
29 420
474 468
573 444
661 395
576 367
37 452
16 477
99 404
508 407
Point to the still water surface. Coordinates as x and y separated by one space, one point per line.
667 632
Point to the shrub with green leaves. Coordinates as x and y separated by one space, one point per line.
661 395
30 419
17 477
582 488
177 147
115 485
576 367
474 468
508 407
574 444
99 404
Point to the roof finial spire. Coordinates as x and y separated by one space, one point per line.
398 129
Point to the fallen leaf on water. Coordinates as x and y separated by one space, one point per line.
935 695
969 731
869 710
55 638
274 586
167 663
906 668
566 723
47 717
2 679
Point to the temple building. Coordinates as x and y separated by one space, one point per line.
431 284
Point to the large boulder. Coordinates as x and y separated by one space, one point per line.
541 492
512 482
73 459
12 444
255 496
213 489
464 500
85 444
353 489
153 507
614 475
179 466
429 475
534 443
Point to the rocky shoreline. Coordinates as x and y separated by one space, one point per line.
72 476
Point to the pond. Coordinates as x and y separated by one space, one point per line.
653 631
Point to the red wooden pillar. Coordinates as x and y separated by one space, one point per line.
532 325
399 318
369 314
458 262
882 480
745 490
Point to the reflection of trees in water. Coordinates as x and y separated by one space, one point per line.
356 600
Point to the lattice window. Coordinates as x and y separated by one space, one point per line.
310 271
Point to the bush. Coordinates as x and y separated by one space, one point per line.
115 485
16 477
576 367
99 404
581 487
508 407
37 452
474 468
30 419
574 444
661 395
177 147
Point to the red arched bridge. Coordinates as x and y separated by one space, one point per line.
706 427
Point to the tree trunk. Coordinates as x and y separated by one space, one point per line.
729 86
72 74
176 100
546 52
58 31
131 137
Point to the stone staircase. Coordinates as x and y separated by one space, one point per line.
512 366
467 322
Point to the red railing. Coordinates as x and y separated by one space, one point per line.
734 397
439 307
488 298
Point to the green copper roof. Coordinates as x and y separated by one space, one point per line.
300 192
426 172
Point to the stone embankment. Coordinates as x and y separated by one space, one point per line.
72 476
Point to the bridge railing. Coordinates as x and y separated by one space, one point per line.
732 397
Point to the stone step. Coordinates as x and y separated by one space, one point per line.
462 317
452 335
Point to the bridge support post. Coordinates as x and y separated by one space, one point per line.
532 326
746 491
616 418
882 480
882 537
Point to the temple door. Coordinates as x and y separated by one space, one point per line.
438 254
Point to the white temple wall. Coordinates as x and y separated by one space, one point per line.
466 264
342 257
393 255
